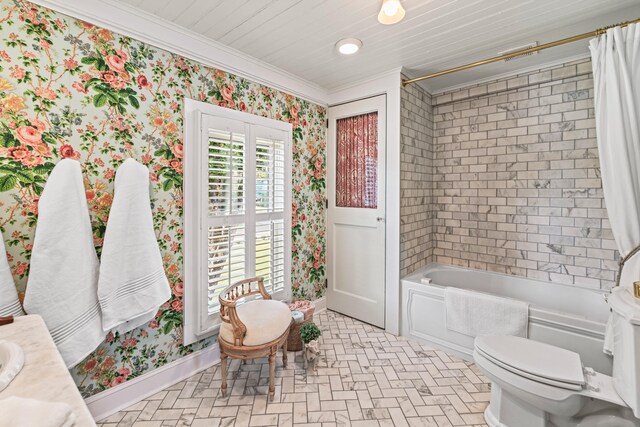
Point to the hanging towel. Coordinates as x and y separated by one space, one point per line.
132 284
24 412
9 302
63 278
476 314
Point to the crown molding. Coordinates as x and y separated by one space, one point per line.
155 31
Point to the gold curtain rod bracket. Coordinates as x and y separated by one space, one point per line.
595 33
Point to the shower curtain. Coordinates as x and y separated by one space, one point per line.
616 73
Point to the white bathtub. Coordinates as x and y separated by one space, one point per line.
565 316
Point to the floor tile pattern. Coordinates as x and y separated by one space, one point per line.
366 377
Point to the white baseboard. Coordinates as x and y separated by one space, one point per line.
321 304
110 401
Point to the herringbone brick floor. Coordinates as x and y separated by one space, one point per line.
366 377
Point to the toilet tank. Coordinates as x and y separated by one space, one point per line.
626 347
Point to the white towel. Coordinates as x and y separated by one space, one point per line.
9 302
24 412
63 278
132 284
475 314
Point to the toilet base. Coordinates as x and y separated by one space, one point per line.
506 410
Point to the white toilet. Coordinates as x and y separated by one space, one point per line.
539 385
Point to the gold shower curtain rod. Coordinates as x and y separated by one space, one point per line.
595 33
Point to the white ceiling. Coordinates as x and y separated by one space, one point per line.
299 35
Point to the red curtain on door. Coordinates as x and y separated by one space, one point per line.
357 161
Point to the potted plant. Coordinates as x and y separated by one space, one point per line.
309 334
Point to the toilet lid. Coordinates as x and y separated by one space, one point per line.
534 360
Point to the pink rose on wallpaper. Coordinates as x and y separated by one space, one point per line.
79 87
178 289
70 64
143 82
176 304
20 268
154 324
227 93
31 160
176 165
129 343
177 150
90 365
41 126
118 380
29 135
18 153
68 152
46 93
115 63
125 372
242 106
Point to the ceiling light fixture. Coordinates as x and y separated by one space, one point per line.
348 46
391 12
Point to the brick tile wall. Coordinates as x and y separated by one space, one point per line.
505 177
416 164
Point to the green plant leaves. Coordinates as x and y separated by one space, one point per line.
7 182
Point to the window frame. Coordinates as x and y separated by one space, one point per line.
198 324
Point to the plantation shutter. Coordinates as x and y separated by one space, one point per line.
245 211
270 190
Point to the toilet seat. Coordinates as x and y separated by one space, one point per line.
536 361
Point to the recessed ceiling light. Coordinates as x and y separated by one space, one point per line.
348 46
391 12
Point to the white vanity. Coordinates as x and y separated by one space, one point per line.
44 375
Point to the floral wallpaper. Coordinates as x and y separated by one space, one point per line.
71 89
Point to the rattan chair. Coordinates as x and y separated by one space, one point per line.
252 328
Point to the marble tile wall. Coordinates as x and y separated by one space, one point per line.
516 185
416 165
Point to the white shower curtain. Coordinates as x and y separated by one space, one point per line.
616 73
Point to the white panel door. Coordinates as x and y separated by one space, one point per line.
356 209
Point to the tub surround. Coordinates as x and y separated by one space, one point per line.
516 181
44 375
574 318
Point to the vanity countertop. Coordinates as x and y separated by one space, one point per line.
44 375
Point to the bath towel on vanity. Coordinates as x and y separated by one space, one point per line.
63 278
23 412
132 283
9 302
475 314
